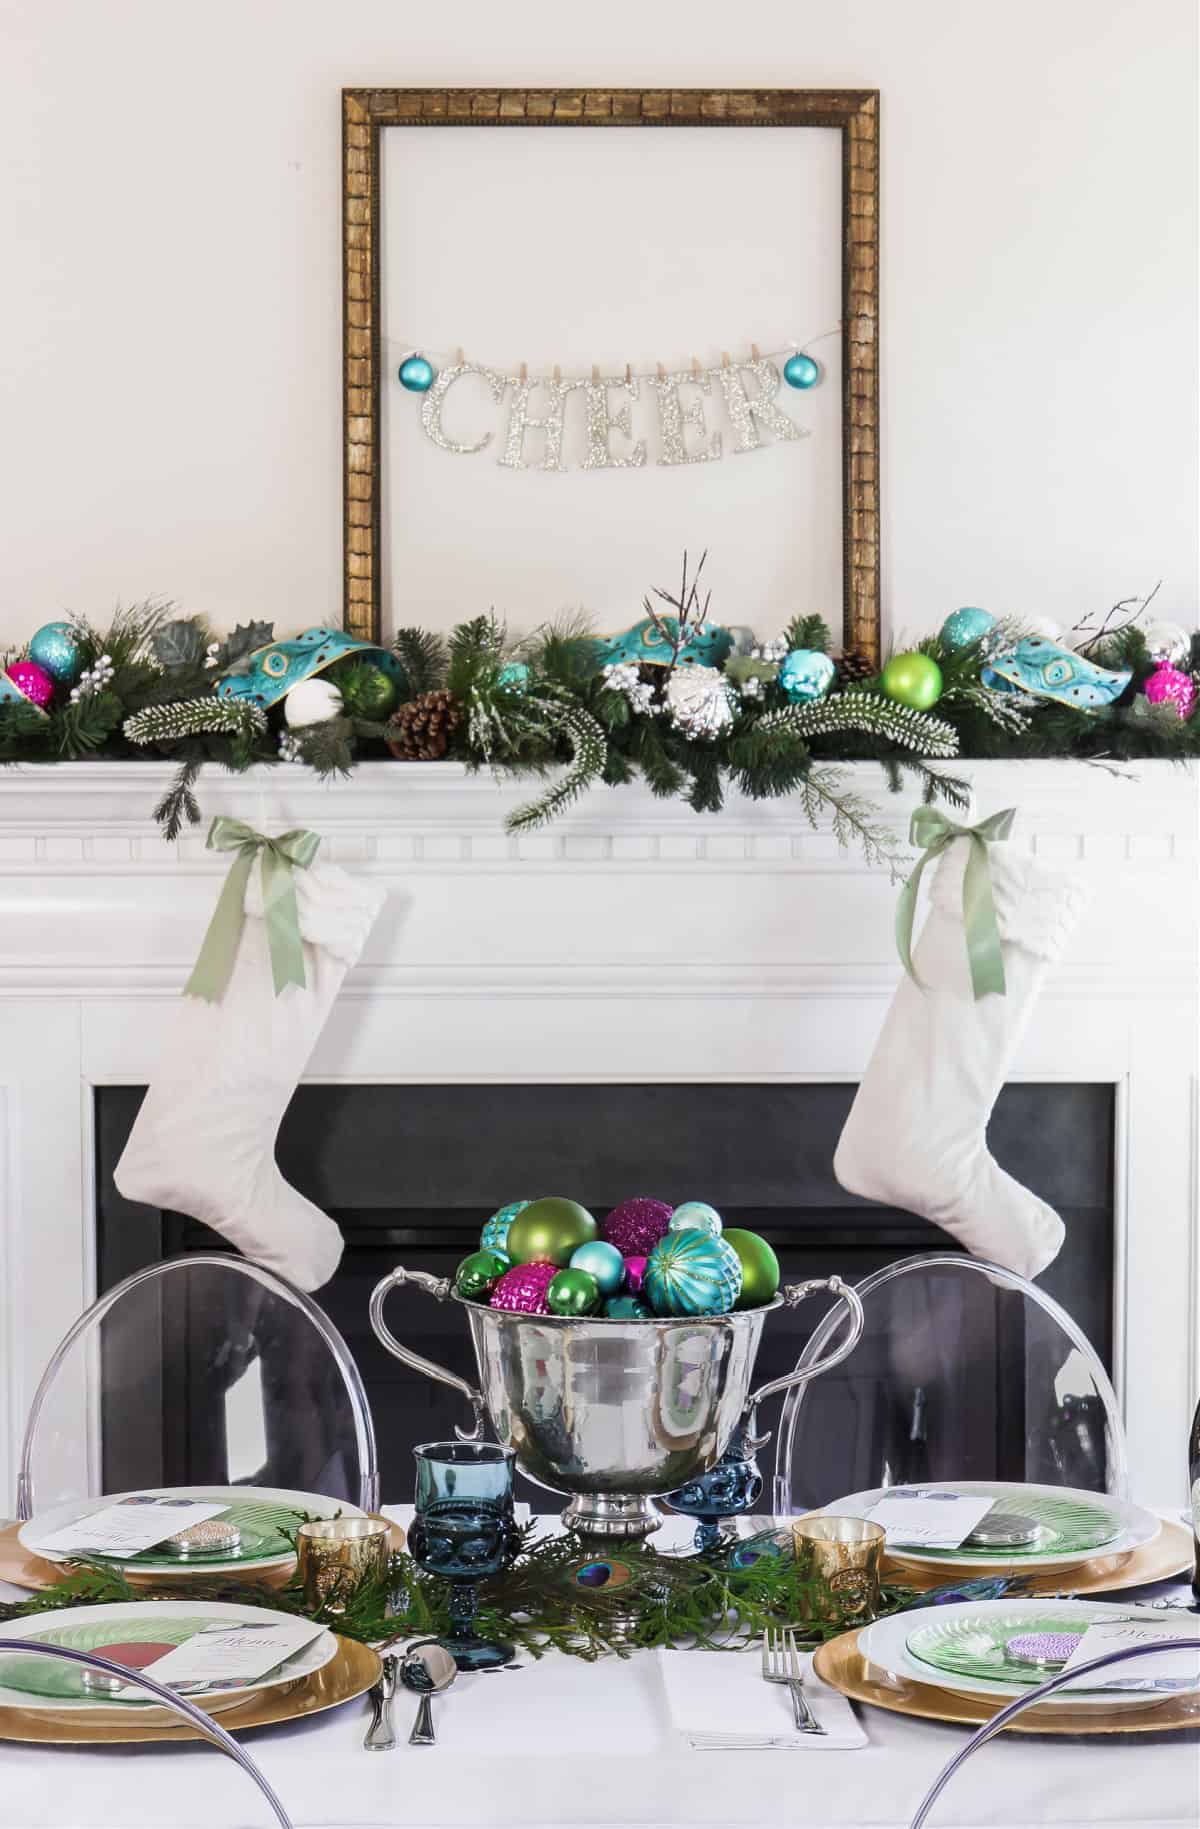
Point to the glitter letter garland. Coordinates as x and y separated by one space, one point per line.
674 415
601 420
433 401
520 421
744 411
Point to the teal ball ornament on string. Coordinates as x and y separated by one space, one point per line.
801 371
416 374
914 680
573 1292
548 1231
55 649
494 1236
602 1261
692 1273
964 626
805 675
477 1275
513 676
626 1308
696 1216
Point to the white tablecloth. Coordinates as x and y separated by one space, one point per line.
559 1742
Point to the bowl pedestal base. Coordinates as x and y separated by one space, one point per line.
612 1517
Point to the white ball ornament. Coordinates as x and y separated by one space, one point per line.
313 701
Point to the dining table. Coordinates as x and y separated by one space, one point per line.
557 1741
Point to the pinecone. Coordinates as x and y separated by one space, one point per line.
424 726
851 668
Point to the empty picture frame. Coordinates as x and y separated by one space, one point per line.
392 229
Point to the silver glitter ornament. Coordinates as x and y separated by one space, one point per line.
699 701
602 420
675 415
748 411
521 420
1164 641
433 402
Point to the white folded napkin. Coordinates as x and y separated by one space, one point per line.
718 1700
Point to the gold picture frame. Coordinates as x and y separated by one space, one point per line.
854 112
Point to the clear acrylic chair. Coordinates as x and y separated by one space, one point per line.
1009 1714
205 1369
964 1371
185 1711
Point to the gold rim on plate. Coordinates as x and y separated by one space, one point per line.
841 1664
1167 1555
350 1674
25 1570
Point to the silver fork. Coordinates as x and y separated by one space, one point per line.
781 1664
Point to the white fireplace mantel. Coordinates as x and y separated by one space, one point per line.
632 940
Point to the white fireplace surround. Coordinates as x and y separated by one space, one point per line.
634 940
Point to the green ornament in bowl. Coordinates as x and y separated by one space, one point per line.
573 1292
760 1267
548 1231
479 1273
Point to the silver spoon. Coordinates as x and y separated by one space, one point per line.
427 1671
380 1737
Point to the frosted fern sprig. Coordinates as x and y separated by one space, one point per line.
193 718
870 712
589 751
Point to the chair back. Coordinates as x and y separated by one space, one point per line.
205 1369
964 1371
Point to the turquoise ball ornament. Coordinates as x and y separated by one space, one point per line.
696 1216
806 675
55 648
914 680
626 1308
494 1236
801 371
603 1261
573 1292
692 1273
513 676
548 1232
964 626
416 374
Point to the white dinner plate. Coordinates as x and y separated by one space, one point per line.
889 1643
55 1685
263 1514
1080 1525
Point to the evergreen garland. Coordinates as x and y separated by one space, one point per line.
162 724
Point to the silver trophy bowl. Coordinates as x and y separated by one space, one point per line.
613 1413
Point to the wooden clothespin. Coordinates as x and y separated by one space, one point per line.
459 358
557 372
754 355
628 375
662 373
724 358
696 367
524 373
595 375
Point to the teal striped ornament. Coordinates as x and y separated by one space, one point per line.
692 1273
494 1236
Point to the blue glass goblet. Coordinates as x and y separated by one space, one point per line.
727 1490
464 1531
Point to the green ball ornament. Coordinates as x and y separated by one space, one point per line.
368 692
760 1267
914 680
573 1292
547 1232
625 1308
478 1274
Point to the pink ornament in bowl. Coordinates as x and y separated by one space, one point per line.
31 681
522 1290
636 1226
1167 685
635 1270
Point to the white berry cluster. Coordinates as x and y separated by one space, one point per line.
211 652
770 650
289 747
95 679
751 688
623 677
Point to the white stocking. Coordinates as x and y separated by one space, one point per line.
204 1140
916 1134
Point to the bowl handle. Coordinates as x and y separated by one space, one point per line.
440 1288
793 1295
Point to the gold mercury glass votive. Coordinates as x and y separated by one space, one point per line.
334 1554
841 1558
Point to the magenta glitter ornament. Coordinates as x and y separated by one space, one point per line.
32 682
522 1290
635 1270
636 1226
1166 686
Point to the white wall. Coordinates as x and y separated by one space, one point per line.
169 306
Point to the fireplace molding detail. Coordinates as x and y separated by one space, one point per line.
634 940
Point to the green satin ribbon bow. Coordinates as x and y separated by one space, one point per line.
280 856
936 833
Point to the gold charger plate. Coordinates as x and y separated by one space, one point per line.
1167 1555
840 1664
25 1570
351 1673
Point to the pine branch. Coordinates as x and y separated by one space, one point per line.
422 657
160 724
179 803
851 817
869 712
587 765
810 632
83 726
